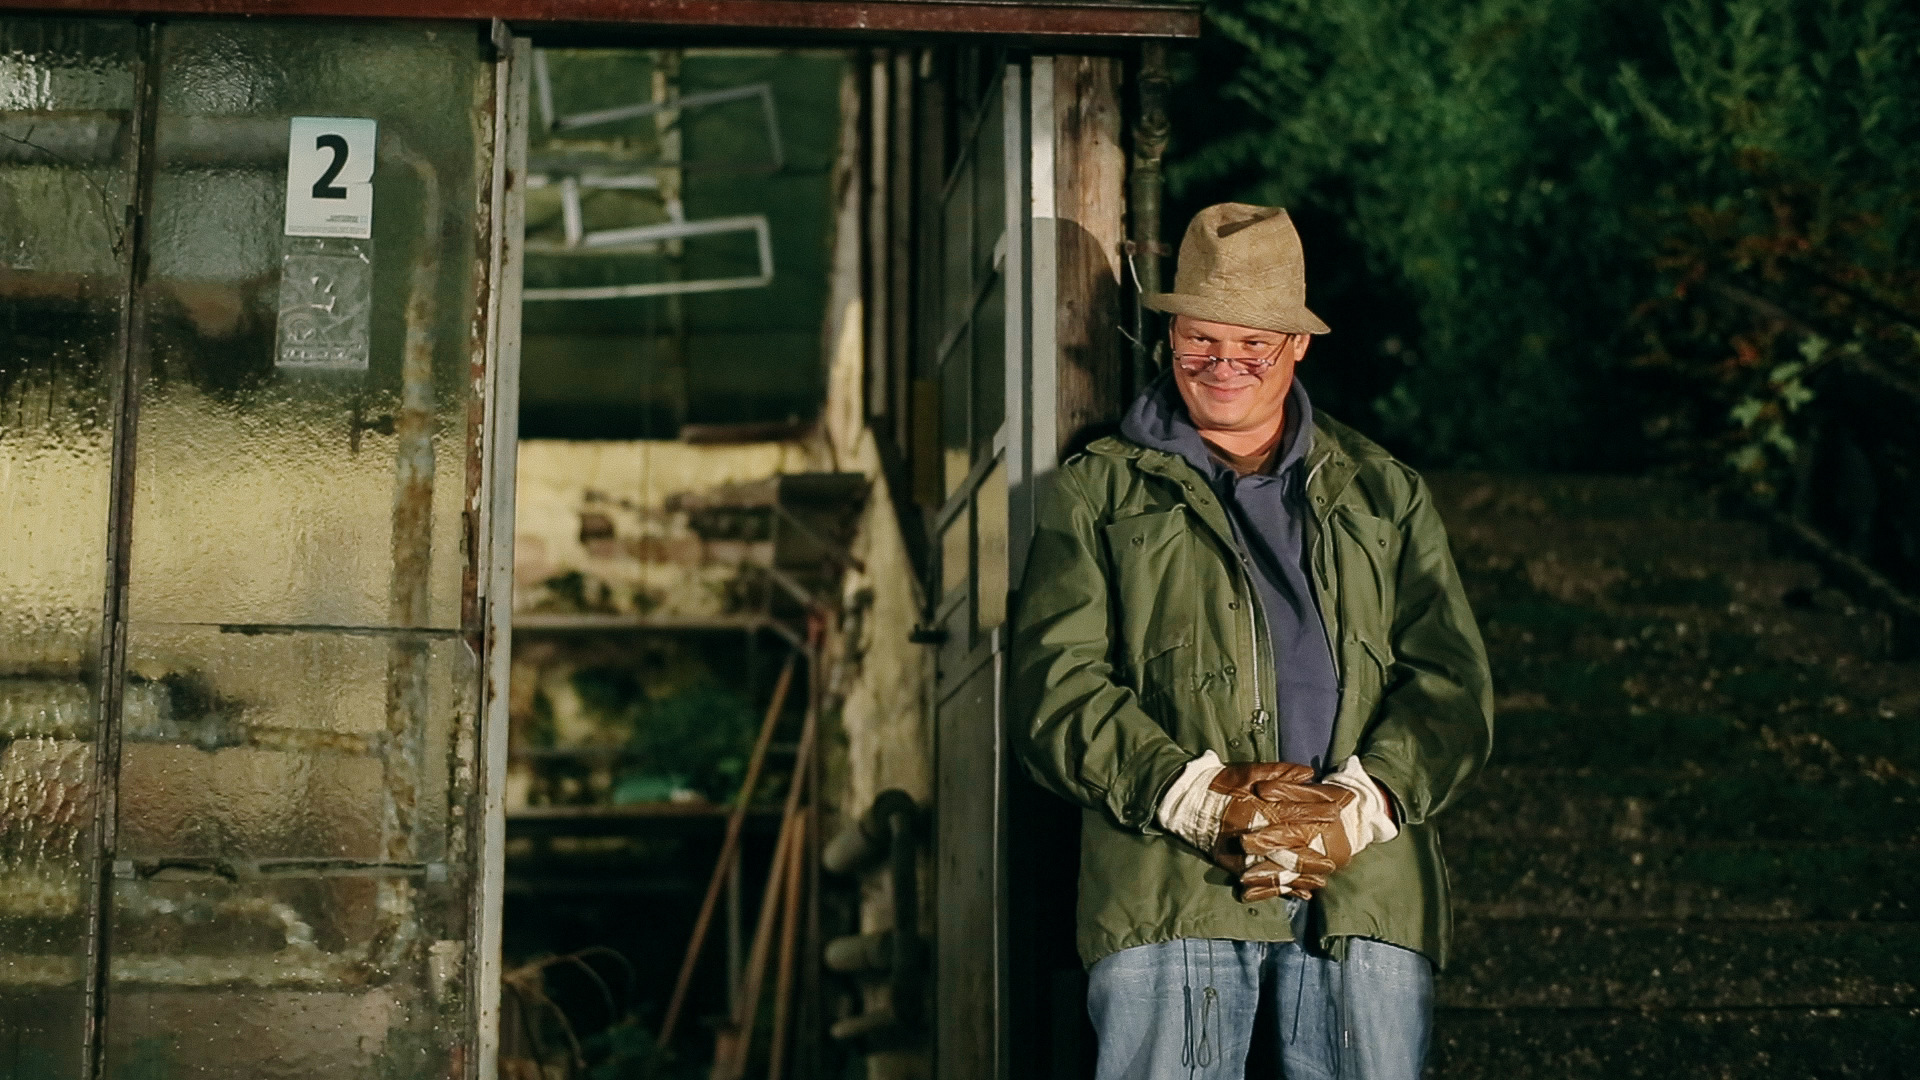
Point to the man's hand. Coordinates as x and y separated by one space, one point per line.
1366 817
1216 808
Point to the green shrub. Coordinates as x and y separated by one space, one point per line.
1615 225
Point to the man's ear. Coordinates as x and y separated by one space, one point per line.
1299 346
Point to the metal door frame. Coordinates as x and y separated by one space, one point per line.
501 435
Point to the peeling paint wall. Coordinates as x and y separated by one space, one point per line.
880 681
594 531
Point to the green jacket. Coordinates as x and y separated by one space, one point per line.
1133 651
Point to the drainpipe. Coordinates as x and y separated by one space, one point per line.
1146 185
889 830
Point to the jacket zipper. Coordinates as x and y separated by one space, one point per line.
1326 636
1253 631
1260 717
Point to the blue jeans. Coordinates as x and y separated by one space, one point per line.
1186 1009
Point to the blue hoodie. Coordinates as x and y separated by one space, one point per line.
1269 516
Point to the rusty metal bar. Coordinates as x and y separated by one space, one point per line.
727 864
500 435
128 383
466 788
409 694
1055 19
414 466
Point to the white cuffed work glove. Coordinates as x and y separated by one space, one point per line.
1215 807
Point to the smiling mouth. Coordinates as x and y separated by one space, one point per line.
1223 393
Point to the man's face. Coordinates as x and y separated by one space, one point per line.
1220 397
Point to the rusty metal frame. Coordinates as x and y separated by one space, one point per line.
1048 19
495 542
127 384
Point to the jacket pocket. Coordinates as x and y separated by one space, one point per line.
1369 668
1367 550
1155 603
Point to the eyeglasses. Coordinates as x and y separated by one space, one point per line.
1199 363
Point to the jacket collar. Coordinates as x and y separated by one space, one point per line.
1328 461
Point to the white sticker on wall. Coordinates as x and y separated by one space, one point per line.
330 176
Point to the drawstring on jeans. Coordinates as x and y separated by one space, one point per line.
1209 1007
1198 1056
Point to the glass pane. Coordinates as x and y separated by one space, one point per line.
990 510
989 367
990 186
287 800
955 567
956 238
281 746
953 413
273 494
266 1033
65 88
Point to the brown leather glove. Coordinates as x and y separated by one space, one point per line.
1274 812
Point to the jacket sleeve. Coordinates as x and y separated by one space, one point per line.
1433 729
1075 729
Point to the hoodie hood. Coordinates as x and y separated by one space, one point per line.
1158 420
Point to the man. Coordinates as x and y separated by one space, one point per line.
1242 646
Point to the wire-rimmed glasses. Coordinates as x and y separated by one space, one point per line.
1199 363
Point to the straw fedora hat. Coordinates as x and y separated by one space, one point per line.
1242 265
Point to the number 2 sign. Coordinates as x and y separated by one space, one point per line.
330 176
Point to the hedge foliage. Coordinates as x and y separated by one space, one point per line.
1628 233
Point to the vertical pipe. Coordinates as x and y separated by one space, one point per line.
1144 248
129 378
408 659
876 217
666 87
900 235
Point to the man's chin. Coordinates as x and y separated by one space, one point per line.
1219 419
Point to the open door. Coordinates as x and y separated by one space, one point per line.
256 431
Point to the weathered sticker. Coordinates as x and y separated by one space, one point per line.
326 304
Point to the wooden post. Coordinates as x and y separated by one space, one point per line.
1090 172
